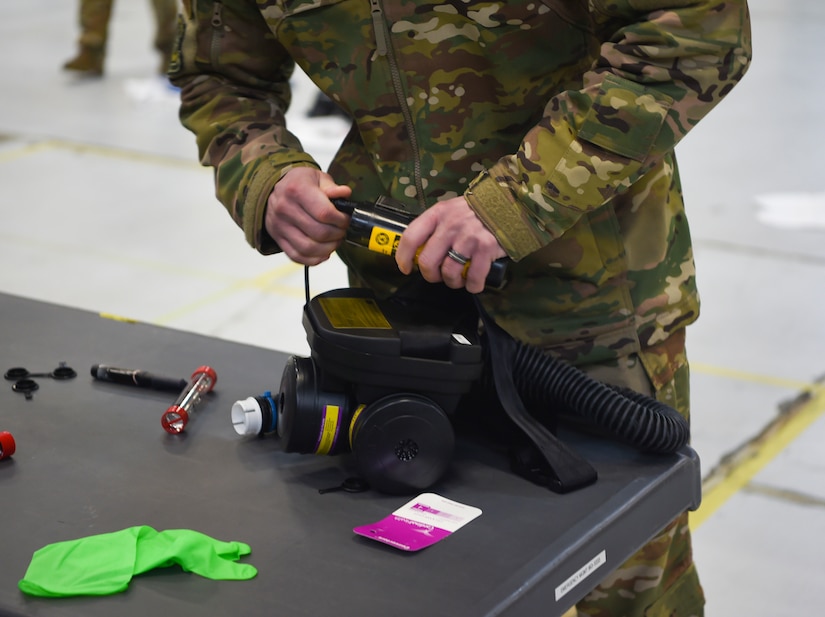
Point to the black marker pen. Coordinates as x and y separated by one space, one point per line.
141 379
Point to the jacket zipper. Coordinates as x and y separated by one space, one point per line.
382 48
217 32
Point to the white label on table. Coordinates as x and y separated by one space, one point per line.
589 568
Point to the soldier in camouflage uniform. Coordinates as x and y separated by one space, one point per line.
538 129
94 33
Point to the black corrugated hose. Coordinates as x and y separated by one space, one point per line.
548 384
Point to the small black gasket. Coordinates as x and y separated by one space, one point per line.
60 373
24 383
13 374
349 485
25 386
64 372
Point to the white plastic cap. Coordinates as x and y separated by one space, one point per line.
247 417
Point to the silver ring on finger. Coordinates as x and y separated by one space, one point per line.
457 257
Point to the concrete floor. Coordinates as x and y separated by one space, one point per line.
105 208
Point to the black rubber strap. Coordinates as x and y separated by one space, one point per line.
561 470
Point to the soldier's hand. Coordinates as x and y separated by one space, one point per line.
300 217
449 243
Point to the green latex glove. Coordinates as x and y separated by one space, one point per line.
104 564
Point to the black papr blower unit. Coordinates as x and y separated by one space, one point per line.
386 376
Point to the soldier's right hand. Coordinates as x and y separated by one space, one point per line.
300 217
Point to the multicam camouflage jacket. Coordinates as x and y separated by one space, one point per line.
556 119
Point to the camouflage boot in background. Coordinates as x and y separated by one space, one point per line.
94 31
89 60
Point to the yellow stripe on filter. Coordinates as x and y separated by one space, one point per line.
329 429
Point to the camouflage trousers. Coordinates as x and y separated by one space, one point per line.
660 580
94 23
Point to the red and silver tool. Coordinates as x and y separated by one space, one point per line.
175 418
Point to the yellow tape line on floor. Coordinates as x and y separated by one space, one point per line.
267 281
22 151
737 473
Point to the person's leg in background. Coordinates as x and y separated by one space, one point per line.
660 580
166 16
94 32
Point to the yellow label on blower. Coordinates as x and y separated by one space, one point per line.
353 313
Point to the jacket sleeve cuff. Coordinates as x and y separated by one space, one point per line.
257 196
503 216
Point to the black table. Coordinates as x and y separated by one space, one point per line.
93 458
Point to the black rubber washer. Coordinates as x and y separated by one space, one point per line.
64 372
18 372
25 386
